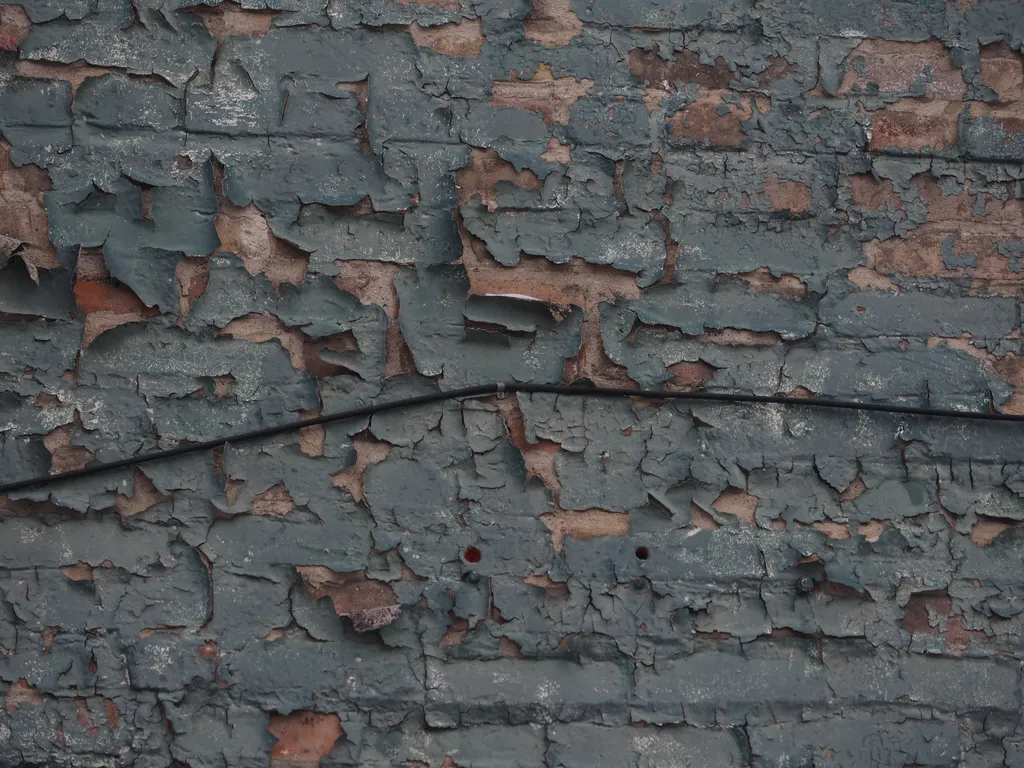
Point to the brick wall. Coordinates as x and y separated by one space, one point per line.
219 217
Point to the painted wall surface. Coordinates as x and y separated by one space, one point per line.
218 217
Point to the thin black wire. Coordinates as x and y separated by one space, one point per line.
500 389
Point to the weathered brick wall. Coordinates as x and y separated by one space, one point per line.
215 218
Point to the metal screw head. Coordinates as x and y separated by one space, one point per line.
805 585
471 577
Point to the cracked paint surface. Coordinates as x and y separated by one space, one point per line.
217 217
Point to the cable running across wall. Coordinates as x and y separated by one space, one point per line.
501 389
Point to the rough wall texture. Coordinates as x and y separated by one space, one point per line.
215 217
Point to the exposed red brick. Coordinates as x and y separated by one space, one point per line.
585 524
895 66
552 589
193 276
63 455
369 450
228 19
684 66
687 376
144 495
78 572
855 489
485 169
543 93
1008 117
737 502
22 212
373 282
303 738
915 125
865 277
261 328
273 502
112 713
464 38
75 73
838 531
763 281
456 634
701 519
14 22
985 531
510 649
552 22
872 193
208 650
870 530
701 122
557 153
576 283
21 693
370 604
539 457
245 232
792 196
1002 70
96 296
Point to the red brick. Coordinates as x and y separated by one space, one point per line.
303 738
895 66
552 23
102 296
915 125
790 196
701 122
485 169
462 39
543 93
1002 70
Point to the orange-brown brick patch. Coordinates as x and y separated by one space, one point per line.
19 694
873 193
370 604
930 613
303 738
1002 70
895 67
22 214
915 125
586 524
557 152
106 296
228 19
551 96
1007 117
792 196
763 281
78 572
552 22
737 502
464 38
485 169
711 121
684 66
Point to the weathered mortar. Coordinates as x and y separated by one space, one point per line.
219 217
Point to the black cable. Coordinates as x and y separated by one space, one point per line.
500 390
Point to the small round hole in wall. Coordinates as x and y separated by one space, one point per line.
642 553
472 555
